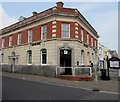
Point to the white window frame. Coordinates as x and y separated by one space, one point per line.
87 38
29 36
28 54
3 42
42 57
19 38
92 42
95 44
82 57
65 30
82 33
10 41
44 32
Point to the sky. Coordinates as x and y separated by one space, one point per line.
103 16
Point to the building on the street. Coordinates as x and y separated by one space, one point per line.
57 36
113 53
103 53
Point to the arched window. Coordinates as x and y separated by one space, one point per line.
93 57
88 55
82 57
29 56
43 56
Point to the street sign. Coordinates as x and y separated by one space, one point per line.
114 63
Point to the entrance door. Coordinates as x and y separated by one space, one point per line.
65 60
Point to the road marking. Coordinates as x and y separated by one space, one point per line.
109 92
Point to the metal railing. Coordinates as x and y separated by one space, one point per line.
73 69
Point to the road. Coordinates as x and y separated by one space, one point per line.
21 89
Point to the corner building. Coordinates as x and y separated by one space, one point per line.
55 37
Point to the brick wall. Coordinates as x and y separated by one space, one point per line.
37 33
24 38
6 44
15 37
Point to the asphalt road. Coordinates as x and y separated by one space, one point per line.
20 89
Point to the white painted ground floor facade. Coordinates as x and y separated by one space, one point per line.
50 52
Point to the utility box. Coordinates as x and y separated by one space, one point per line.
103 74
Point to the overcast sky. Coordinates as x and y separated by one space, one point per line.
103 16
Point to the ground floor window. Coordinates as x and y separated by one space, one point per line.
43 56
82 57
29 53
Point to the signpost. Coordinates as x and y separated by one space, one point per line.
114 63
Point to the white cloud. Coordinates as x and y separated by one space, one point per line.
6 20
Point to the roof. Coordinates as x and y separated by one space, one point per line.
113 53
48 12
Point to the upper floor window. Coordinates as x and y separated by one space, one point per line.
3 42
92 42
10 41
95 44
81 30
19 38
29 35
87 38
65 30
44 32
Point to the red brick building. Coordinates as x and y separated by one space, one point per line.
57 36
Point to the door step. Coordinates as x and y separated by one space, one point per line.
75 78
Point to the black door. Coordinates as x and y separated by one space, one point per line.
65 60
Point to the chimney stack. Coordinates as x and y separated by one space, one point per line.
60 4
34 13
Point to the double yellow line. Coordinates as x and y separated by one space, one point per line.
109 92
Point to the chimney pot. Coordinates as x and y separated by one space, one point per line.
35 13
60 4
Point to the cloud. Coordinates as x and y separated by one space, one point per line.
104 20
6 20
107 25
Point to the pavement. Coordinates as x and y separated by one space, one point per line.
110 86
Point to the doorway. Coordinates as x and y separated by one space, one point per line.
65 60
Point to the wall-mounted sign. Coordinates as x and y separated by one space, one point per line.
37 43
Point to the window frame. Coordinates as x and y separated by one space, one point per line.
82 57
42 56
28 57
10 40
19 38
65 30
92 41
44 32
30 33
82 34
3 42
87 38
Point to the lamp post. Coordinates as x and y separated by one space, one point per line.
2 56
108 77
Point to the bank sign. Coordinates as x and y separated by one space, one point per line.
114 63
